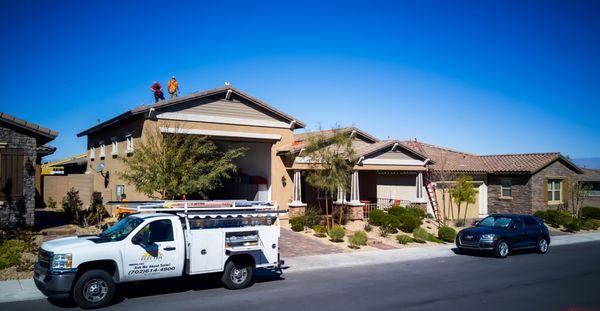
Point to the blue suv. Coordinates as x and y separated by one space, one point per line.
503 233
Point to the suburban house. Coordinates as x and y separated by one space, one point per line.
508 183
385 172
22 145
230 117
592 178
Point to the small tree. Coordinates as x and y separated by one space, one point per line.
579 191
169 165
73 206
463 191
332 159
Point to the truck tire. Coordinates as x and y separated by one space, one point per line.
94 289
237 275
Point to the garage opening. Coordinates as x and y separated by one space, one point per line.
252 181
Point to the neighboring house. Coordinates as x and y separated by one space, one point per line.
58 177
22 145
385 172
514 183
592 178
227 115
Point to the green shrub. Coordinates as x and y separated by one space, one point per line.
556 219
429 216
320 231
419 213
459 222
404 239
357 239
420 235
590 224
368 227
447 234
397 210
51 203
543 215
408 222
390 221
73 207
312 217
10 252
590 212
376 217
386 230
573 225
297 223
336 234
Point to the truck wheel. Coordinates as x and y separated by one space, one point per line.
94 289
237 275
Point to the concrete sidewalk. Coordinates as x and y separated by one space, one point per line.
19 290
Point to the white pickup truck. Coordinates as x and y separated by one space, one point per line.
162 240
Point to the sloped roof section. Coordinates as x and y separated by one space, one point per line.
300 139
524 163
387 144
33 128
448 159
183 99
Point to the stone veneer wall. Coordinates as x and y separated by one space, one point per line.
20 211
520 202
539 184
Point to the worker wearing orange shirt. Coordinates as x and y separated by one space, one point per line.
173 87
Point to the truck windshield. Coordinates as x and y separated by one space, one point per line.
121 229
495 221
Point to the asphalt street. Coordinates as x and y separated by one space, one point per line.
566 278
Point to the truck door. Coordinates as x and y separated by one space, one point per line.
155 251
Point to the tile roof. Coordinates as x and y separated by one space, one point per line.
31 127
300 139
457 161
178 100
590 175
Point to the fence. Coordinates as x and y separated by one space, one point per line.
383 204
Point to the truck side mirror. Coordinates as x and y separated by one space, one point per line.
140 239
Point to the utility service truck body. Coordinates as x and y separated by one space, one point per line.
163 240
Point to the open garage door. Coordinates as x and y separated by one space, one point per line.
253 178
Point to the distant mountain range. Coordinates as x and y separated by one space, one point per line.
592 163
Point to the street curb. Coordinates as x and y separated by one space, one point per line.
21 290
339 260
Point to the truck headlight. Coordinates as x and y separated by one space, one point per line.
488 236
62 261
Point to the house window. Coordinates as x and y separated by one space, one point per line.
120 191
506 188
92 153
554 188
129 149
115 147
102 150
11 173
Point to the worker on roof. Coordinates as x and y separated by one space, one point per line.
173 87
157 90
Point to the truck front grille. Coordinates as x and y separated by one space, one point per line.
44 258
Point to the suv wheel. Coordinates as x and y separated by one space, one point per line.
542 246
237 275
501 249
94 289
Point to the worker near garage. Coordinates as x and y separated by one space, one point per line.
156 88
173 87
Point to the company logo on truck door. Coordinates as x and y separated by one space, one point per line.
151 256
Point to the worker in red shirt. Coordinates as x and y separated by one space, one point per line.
157 90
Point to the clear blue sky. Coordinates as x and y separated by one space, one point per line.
484 77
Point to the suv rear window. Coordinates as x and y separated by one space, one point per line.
530 222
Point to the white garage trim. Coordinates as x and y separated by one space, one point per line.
392 162
221 133
222 120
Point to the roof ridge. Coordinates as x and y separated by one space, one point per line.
440 147
518 154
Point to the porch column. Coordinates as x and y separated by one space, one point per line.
341 196
354 190
297 195
419 187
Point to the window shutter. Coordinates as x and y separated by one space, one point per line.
545 190
565 190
